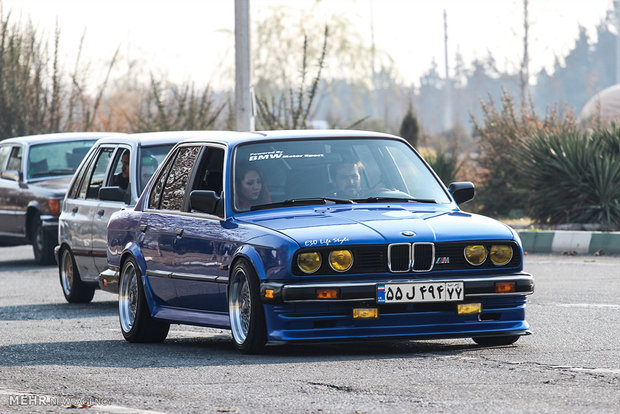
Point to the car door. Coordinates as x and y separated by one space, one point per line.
12 206
82 209
201 243
160 223
105 208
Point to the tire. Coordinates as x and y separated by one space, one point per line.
73 288
247 316
496 340
42 246
136 322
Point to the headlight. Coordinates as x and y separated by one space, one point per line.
309 262
341 260
475 254
500 254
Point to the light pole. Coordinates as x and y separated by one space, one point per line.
244 120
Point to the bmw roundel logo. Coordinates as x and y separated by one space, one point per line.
408 233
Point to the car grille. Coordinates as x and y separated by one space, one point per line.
403 257
411 258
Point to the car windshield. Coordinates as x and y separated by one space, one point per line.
326 171
150 158
56 158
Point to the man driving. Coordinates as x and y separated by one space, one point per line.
347 179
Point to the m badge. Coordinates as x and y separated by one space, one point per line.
443 260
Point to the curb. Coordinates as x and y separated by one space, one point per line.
561 241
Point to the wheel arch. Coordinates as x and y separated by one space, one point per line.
133 251
250 255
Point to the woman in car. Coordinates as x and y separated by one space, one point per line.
250 190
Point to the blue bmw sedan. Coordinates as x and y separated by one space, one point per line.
308 236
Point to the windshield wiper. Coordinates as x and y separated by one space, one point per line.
397 199
60 171
302 202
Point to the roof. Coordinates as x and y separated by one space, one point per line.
142 139
64 136
232 137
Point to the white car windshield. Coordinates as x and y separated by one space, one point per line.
278 173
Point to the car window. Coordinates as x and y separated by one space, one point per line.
98 173
15 159
174 189
78 182
158 185
120 172
210 173
149 159
4 154
56 158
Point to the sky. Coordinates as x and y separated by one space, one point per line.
193 40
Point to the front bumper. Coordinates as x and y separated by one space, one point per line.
294 314
366 290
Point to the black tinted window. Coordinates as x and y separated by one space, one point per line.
176 182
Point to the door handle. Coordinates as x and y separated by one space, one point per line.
101 212
178 232
74 210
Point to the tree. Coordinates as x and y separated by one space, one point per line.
409 128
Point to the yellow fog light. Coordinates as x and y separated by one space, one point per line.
365 313
309 262
469 308
475 254
341 260
500 254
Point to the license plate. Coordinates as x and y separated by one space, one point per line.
420 292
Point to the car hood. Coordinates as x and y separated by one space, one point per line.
56 185
372 224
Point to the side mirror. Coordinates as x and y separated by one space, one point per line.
114 193
462 191
12 175
205 201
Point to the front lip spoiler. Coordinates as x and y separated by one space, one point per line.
367 290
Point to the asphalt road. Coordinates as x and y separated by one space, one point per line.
54 356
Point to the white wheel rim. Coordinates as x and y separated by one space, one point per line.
128 297
240 307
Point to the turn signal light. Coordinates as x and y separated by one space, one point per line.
505 287
269 293
324 293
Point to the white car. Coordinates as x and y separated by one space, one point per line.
110 178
